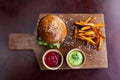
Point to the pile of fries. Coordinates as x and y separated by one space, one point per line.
89 32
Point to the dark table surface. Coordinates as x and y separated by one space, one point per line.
20 16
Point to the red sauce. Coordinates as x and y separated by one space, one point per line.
52 59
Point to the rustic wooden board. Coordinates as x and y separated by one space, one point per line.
94 58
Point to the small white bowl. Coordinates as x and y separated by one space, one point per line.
52 68
83 62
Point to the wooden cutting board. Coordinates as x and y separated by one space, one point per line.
94 58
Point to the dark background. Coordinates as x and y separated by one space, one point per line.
20 16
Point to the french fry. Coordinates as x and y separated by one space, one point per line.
80 23
75 33
98 32
81 34
89 18
100 43
89 24
97 41
88 39
99 25
80 31
93 19
85 28
87 33
90 32
101 34
91 37
81 38
95 30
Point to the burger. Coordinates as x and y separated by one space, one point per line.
51 31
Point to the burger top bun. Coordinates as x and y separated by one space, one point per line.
52 29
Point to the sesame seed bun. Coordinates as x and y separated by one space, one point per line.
52 29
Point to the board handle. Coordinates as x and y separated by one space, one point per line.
21 41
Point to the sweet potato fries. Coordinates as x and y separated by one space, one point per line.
90 32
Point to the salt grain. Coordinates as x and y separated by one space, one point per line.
71 19
83 16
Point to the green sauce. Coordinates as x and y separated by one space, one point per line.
75 58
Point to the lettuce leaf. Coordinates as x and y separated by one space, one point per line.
41 42
57 45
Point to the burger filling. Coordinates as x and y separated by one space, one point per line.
42 42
